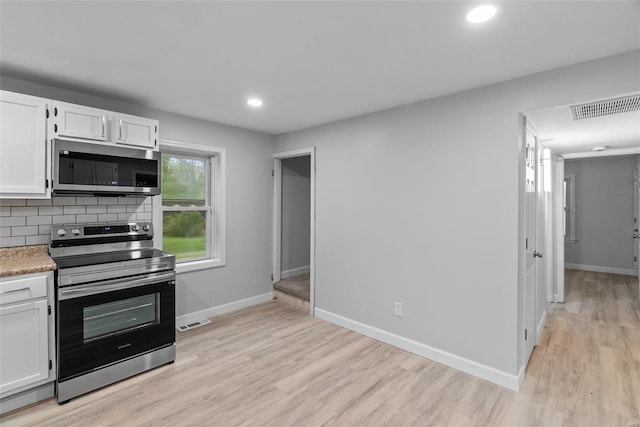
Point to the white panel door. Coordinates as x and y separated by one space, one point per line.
80 122
134 130
531 254
24 345
636 224
23 146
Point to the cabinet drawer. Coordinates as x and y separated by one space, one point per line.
23 289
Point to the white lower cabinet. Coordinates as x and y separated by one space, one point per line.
26 339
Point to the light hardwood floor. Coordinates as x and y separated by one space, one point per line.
273 365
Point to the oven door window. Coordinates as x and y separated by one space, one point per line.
119 317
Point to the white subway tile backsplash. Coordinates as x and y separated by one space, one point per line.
38 220
96 209
64 219
23 211
81 219
74 210
13 202
24 231
10 221
86 201
128 201
116 209
39 202
30 221
63 201
107 200
5 242
38 240
50 210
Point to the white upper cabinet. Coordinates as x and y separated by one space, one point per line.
77 121
134 130
24 168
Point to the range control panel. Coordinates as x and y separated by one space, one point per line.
100 231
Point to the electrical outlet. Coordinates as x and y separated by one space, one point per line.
397 309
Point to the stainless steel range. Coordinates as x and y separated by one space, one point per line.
115 304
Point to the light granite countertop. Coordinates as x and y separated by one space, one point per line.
24 260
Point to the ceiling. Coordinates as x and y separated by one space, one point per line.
557 130
311 62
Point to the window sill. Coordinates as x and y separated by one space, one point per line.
202 264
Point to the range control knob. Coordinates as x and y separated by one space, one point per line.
135 227
146 227
76 231
61 232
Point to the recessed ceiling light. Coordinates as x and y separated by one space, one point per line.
600 148
254 102
481 13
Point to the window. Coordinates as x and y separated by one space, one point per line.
569 208
191 206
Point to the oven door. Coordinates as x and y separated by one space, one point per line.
105 322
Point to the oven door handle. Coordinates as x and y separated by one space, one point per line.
113 285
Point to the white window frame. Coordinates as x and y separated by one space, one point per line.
570 208
216 227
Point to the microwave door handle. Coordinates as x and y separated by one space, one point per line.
112 285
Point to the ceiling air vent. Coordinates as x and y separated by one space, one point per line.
606 107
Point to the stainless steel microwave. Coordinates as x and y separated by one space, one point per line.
100 169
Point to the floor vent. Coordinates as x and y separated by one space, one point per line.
192 325
606 107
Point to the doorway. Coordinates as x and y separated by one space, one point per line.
294 228
587 130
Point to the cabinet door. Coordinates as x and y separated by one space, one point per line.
23 146
77 121
134 130
24 346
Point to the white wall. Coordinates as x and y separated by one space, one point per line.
604 212
249 198
296 198
419 204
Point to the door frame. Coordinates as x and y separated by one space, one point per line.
559 255
277 218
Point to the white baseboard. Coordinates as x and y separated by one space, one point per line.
521 375
294 272
540 328
224 308
601 269
488 373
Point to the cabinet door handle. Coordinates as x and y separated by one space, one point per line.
13 291
104 126
120 130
